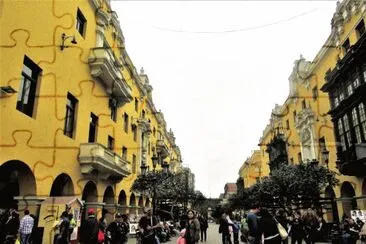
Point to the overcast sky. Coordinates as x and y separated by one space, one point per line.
218 68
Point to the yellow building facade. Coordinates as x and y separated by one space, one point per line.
303 120
254 168
76 117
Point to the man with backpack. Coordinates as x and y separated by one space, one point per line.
119 229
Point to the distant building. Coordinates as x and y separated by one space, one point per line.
230 190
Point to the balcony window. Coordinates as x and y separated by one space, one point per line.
346 46
124 153
93 125
28 87
136 104
125 122
341 134
110 143
303 104
356 82
347 130
341 96
361 109
80 23
113 113
134 132
356 126
70 115
336 102
360 29
315 93
350 89
134 164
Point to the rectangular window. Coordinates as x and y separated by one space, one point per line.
346 45
113 112
322 147
341 134
136 104
80 23
143 114
347 130
356 82
124 153
125 122
303 104
28 87
294 113
70 115
110 143
133 164
299 157
315 93
148 147
356 126
361 110
93 125
134 131
360 29
287 124
350 89
341 96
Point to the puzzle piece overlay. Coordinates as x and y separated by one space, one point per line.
78 120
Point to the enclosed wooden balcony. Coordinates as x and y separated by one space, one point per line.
353 160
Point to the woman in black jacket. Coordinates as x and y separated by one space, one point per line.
268 227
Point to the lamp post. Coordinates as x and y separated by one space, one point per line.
325 156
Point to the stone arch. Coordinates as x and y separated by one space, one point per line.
147 202
122 199
141 201
108 196
332 212
62 186
348 200
90 193
16 179
132 200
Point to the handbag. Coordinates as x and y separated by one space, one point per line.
101 236
281 230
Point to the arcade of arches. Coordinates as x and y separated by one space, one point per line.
18 190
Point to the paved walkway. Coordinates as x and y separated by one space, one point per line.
213 236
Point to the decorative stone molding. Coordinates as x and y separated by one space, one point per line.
299 75
304 124
102 17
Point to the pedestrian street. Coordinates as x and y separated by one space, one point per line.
213 236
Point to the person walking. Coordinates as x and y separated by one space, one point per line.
203 227
224 229
192 235
64 236
147 226
236 229
119 229
11 228
267 226
297 228
26 227
90 229
252 220
281 217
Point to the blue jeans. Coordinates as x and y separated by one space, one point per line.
24 238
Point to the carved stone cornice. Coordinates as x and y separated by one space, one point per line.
102 17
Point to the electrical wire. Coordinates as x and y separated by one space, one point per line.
237 30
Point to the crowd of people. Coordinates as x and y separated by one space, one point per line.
261 225
13 229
